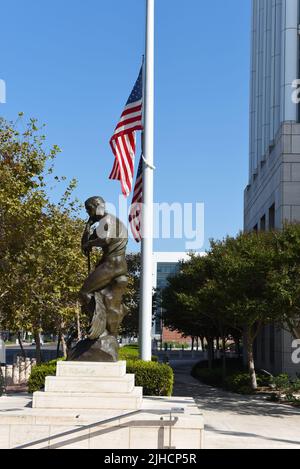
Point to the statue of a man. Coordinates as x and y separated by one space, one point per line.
102 292
112 237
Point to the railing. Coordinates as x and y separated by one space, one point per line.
50 441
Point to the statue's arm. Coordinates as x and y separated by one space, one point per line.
86 237
101 237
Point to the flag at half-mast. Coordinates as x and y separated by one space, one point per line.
135 214
123 141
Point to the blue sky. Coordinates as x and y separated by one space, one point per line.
72 65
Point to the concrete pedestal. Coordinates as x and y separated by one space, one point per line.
96 405
80 385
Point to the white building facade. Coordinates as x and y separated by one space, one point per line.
272 196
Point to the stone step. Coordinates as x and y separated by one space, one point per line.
124 384
77 400
90 369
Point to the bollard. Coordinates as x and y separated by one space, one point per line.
15 374
22 379
27 369
3 371
9 375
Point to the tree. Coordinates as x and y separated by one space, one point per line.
39 242
130 325
183 312
284 281
225 292
244 265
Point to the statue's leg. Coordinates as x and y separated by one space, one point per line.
102 276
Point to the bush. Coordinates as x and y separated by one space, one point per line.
287 388
239 383
38 375
237 378
131 352
156 379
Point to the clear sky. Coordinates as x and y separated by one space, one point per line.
72 64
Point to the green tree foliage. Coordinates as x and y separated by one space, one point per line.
243 284
130 325
242 267
284 281
40 261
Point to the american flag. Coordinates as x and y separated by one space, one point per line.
135 216
123 141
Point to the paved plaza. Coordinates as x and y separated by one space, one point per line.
239 422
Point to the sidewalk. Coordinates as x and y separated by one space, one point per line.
238 422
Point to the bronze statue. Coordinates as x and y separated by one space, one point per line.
102 292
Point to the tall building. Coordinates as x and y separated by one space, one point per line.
165 264
272 195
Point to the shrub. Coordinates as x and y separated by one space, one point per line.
287 388
239 383
281 382
156 379
237 379
38 375
131 352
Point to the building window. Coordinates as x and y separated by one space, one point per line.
272 217
263 223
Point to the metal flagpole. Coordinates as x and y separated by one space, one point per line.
147 215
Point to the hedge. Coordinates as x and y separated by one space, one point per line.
38 375
131 352
155 378
237 379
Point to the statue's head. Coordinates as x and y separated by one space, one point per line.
95 207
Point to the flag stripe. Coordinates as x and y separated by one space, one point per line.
123 140
135 213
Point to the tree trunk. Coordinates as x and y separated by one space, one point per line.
38 352
64 346
237 347
21 345
250 358
193 340
223 358
202 343
210 352
58 344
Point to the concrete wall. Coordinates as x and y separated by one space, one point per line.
278 181
281 362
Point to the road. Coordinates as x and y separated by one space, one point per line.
12 351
